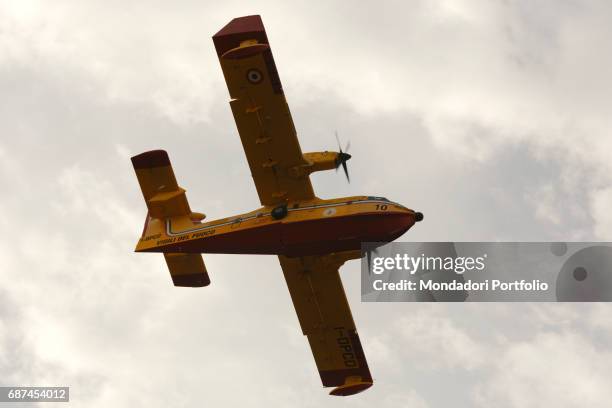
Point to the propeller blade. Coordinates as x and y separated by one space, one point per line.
346 170
369 258
343 157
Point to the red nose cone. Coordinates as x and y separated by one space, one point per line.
402 222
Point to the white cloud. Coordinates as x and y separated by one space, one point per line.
545 203
601 203
553 370
131 53
406 399
434 341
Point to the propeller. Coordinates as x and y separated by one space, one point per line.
368 254
343 157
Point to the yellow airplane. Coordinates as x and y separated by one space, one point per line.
312 237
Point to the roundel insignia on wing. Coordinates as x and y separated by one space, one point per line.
328 212
254 76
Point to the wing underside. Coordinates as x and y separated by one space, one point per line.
261 112
277 165
325 318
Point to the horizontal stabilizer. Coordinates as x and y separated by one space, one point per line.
187 270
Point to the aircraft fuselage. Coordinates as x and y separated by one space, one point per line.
313 227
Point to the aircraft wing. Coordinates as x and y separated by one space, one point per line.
325 317
261 112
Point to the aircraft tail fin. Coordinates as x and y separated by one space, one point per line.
165 199
161 192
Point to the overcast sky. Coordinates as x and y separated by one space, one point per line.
490 117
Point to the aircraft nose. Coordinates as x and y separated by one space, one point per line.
409 219
401 223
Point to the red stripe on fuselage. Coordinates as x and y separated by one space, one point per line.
301 238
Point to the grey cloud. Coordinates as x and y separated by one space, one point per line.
415 89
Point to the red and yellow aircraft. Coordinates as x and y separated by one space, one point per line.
312 237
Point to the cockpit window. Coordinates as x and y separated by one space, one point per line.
377 198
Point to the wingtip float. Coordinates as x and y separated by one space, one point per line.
312 237
352 385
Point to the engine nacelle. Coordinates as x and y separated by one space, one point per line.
316 161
